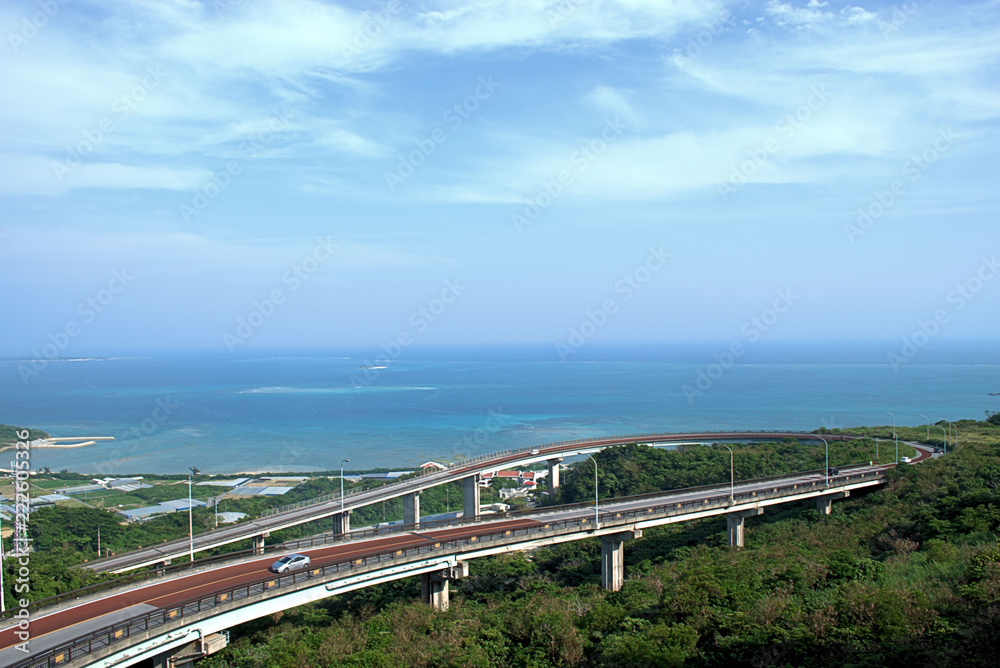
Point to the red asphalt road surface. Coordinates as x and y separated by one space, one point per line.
172 592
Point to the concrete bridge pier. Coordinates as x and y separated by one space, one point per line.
824 504
470 496
554 474
734 525
613 558
257 542
434 586
342 523
411 508
185 655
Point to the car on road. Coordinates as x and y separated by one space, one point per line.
938 450
291 562
833 471
905 460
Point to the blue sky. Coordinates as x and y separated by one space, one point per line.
237 176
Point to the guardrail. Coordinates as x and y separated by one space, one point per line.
105 637
416 480
334 496
425 525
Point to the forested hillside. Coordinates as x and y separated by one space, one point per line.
908 575
8 434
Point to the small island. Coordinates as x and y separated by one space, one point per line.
41 439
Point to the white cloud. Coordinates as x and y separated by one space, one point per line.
810 16
22 174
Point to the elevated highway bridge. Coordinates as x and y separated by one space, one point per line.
467 471
169 619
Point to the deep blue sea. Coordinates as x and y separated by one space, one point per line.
308 412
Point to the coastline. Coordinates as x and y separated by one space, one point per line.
51 444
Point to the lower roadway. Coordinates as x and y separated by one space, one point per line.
48 630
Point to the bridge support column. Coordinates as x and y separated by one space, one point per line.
554 475
470 496
342 523
411 508
824 504
613 558
185 655
257 542
161 567
734 525
434 586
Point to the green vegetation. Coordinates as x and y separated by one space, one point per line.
8 434
907 575
638 469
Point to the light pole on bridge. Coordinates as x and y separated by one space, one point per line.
955 427
826 471
342 523
591 457
190 521
732 495
928 425
894 438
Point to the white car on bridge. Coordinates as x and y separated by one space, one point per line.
291 562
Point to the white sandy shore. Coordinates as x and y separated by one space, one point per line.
52 444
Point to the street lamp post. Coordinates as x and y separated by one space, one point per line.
928 425
591 457
826 471
876 449
894 438
342 523
3 599
190 521
944 433
955 428
951 425
732 496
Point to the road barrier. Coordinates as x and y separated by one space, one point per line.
174 616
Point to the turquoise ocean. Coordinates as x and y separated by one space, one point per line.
307 412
